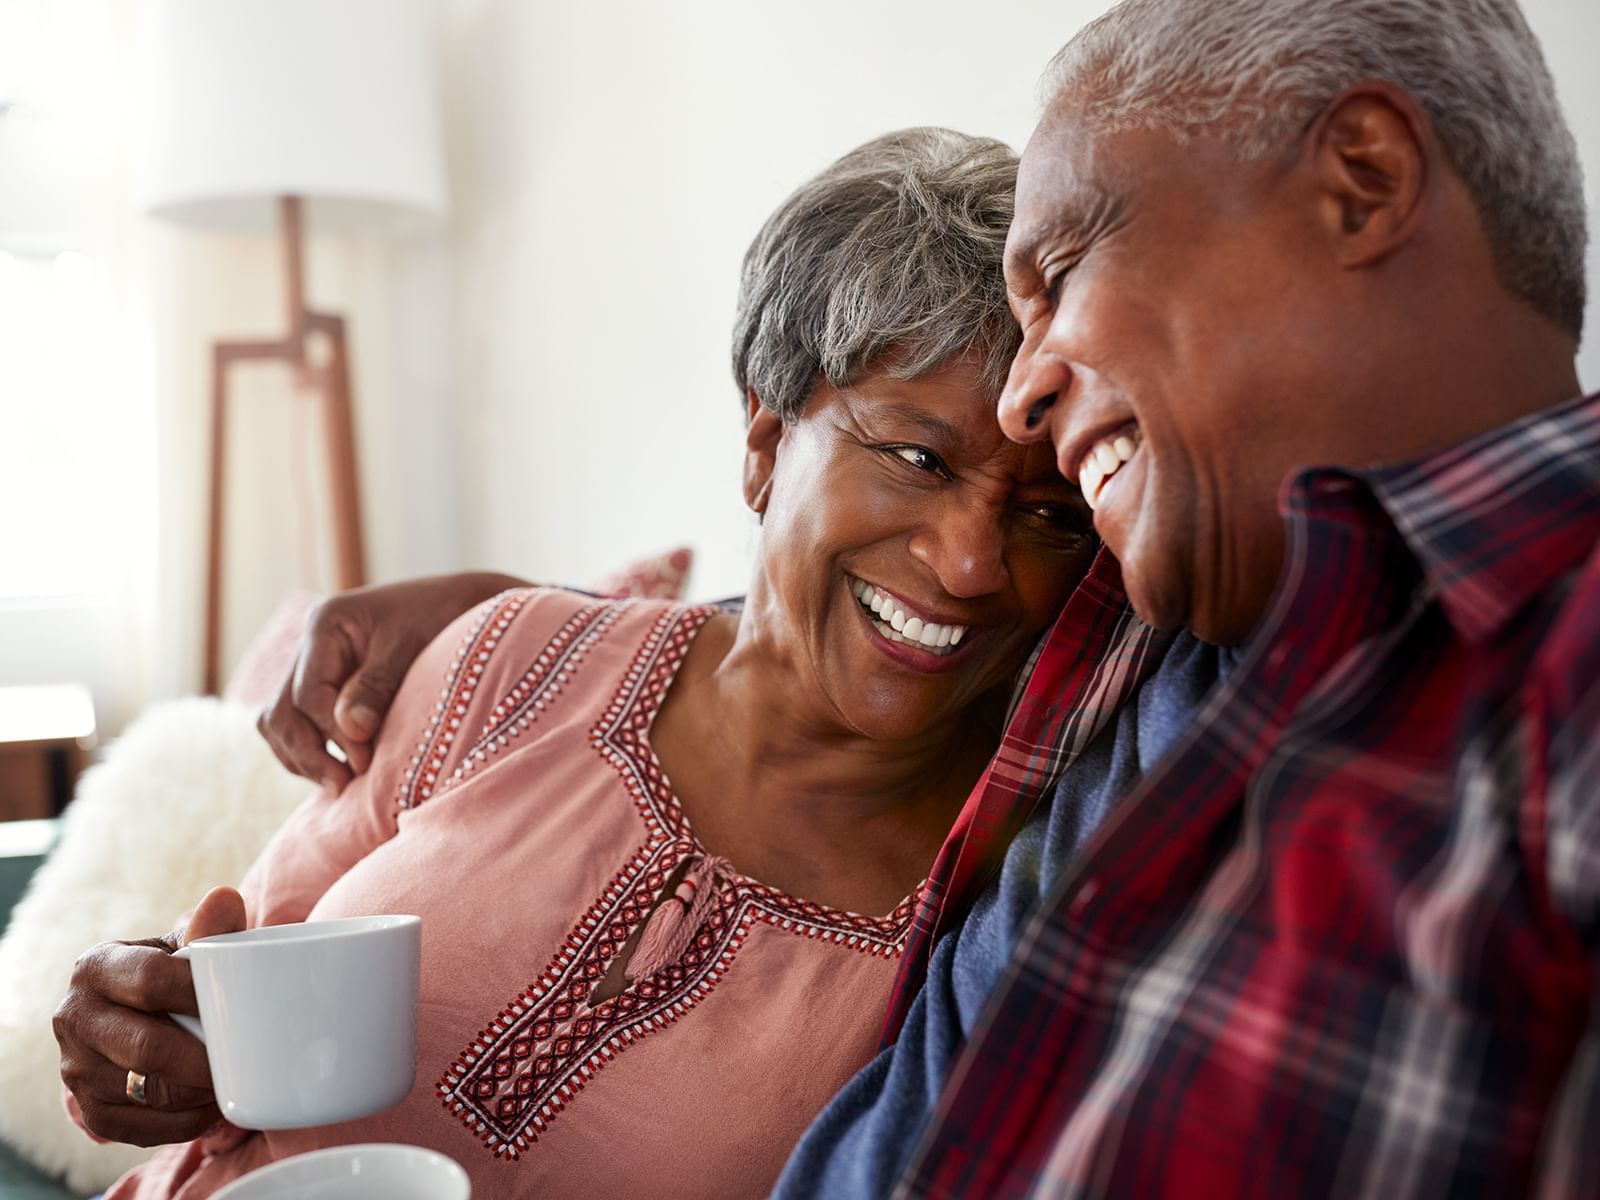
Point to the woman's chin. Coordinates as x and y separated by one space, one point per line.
886 713
910 709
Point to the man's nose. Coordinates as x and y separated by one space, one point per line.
1033 392
965 550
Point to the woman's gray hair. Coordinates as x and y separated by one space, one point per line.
889 260
1257 72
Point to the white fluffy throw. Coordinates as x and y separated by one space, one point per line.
183 801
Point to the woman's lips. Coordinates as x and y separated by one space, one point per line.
915 657
900 622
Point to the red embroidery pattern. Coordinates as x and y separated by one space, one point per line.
540 685
622 735
532 1060
537 689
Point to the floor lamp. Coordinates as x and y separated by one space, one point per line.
292 116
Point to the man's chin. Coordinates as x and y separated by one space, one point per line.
1162 603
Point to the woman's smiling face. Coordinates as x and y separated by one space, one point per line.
911 554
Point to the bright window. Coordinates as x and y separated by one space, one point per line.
72 425
64 431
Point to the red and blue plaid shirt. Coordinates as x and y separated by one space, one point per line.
1345 940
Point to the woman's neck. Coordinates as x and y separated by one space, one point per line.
775 779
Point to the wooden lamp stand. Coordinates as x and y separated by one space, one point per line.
329 375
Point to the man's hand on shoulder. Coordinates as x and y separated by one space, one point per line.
356 649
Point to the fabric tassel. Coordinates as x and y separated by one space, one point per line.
672 926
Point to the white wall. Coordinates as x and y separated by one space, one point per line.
611 165
611 162
543 384
1569 30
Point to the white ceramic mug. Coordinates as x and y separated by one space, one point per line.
308 1024
373 1172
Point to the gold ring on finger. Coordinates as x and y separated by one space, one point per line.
135 1088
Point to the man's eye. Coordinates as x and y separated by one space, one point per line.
921 458
1055 282
1056 279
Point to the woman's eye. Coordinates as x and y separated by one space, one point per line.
919 457
1061 518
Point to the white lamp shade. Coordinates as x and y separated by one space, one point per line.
334 101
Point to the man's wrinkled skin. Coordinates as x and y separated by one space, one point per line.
356 650
1254 317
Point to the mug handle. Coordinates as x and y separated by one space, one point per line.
184 1020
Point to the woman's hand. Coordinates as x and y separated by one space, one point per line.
356 649
113 1022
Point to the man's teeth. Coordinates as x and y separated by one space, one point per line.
1105 459
894 623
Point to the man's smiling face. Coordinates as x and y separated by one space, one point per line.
1165 291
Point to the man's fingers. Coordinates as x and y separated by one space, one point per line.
299 745
328 657
299 723
358 755
368 694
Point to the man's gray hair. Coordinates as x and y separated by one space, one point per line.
889 260
1257 72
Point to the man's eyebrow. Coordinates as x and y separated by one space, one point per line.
1020 256
1077 220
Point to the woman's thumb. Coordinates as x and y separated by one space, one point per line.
222 911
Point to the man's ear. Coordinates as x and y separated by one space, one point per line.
1374 153
763 432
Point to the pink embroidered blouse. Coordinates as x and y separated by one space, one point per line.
515 804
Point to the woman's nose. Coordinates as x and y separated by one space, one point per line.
965 551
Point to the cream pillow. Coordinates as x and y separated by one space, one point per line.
183 801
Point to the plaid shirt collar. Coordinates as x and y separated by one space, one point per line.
1083 671
1491 521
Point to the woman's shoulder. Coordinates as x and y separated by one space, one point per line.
522 653
515 621
548 633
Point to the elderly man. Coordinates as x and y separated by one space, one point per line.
1342 939
1313 905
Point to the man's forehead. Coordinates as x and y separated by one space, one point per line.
1060 182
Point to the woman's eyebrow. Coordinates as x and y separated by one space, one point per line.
936 428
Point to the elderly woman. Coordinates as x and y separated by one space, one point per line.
665 855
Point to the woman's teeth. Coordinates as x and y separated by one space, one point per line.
893 622
1105 459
